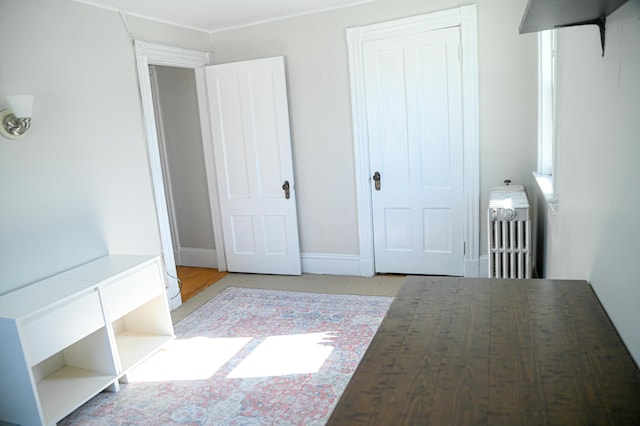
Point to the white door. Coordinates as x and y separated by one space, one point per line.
254 168
414 123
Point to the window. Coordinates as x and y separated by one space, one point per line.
546 101
546 114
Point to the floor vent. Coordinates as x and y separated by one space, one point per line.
509 232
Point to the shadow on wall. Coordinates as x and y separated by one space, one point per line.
539 229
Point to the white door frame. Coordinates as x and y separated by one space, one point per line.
465 18
155 54
166 172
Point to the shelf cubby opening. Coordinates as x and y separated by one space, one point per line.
141 332
72 376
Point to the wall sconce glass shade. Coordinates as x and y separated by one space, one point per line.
15 122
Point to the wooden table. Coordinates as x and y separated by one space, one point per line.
456 351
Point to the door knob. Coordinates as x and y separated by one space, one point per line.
376 179
287 192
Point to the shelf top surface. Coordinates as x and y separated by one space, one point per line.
106 267
542 15
34 297
31 298
512 196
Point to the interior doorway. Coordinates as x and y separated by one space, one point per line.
152 54
183 169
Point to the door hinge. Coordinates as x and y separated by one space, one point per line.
465 248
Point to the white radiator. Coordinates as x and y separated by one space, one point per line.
509 233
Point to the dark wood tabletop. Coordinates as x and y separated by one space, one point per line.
455 351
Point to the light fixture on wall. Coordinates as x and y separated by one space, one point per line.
15 121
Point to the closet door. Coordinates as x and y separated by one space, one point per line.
414 121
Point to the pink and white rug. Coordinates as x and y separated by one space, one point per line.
247 357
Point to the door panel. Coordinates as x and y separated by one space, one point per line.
414 120
437 225
398 229
275 232
242 233
229 108
253 159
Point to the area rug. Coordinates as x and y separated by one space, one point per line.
247 357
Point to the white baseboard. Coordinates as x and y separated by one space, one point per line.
471 268
476 268
484 266
322 263
352 265
312 263
197 258
331 264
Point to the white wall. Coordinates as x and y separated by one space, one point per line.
595 235
186 171
315 49
78 184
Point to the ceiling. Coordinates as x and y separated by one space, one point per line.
215 15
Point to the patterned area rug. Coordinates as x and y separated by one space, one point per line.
247 357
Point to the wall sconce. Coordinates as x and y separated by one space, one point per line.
15 122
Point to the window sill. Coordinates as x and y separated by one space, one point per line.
545 183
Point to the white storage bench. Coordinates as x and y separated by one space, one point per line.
66 338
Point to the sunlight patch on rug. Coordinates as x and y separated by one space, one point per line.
284 355
247 357
197 358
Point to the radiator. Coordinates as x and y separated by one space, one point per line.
509 233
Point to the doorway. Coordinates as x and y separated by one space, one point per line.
461 225
270 111
180 142
415 147
153 54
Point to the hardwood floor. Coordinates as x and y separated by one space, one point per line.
483 352
194 280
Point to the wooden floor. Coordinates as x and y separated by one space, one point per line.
482 352
194 280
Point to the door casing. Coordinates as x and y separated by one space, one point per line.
465 18
155 54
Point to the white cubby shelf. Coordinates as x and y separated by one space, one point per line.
71 336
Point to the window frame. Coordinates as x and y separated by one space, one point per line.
547 93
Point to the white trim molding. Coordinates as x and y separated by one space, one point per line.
166 171
464 17
197 257
331 264
545 183
483 270
169 56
